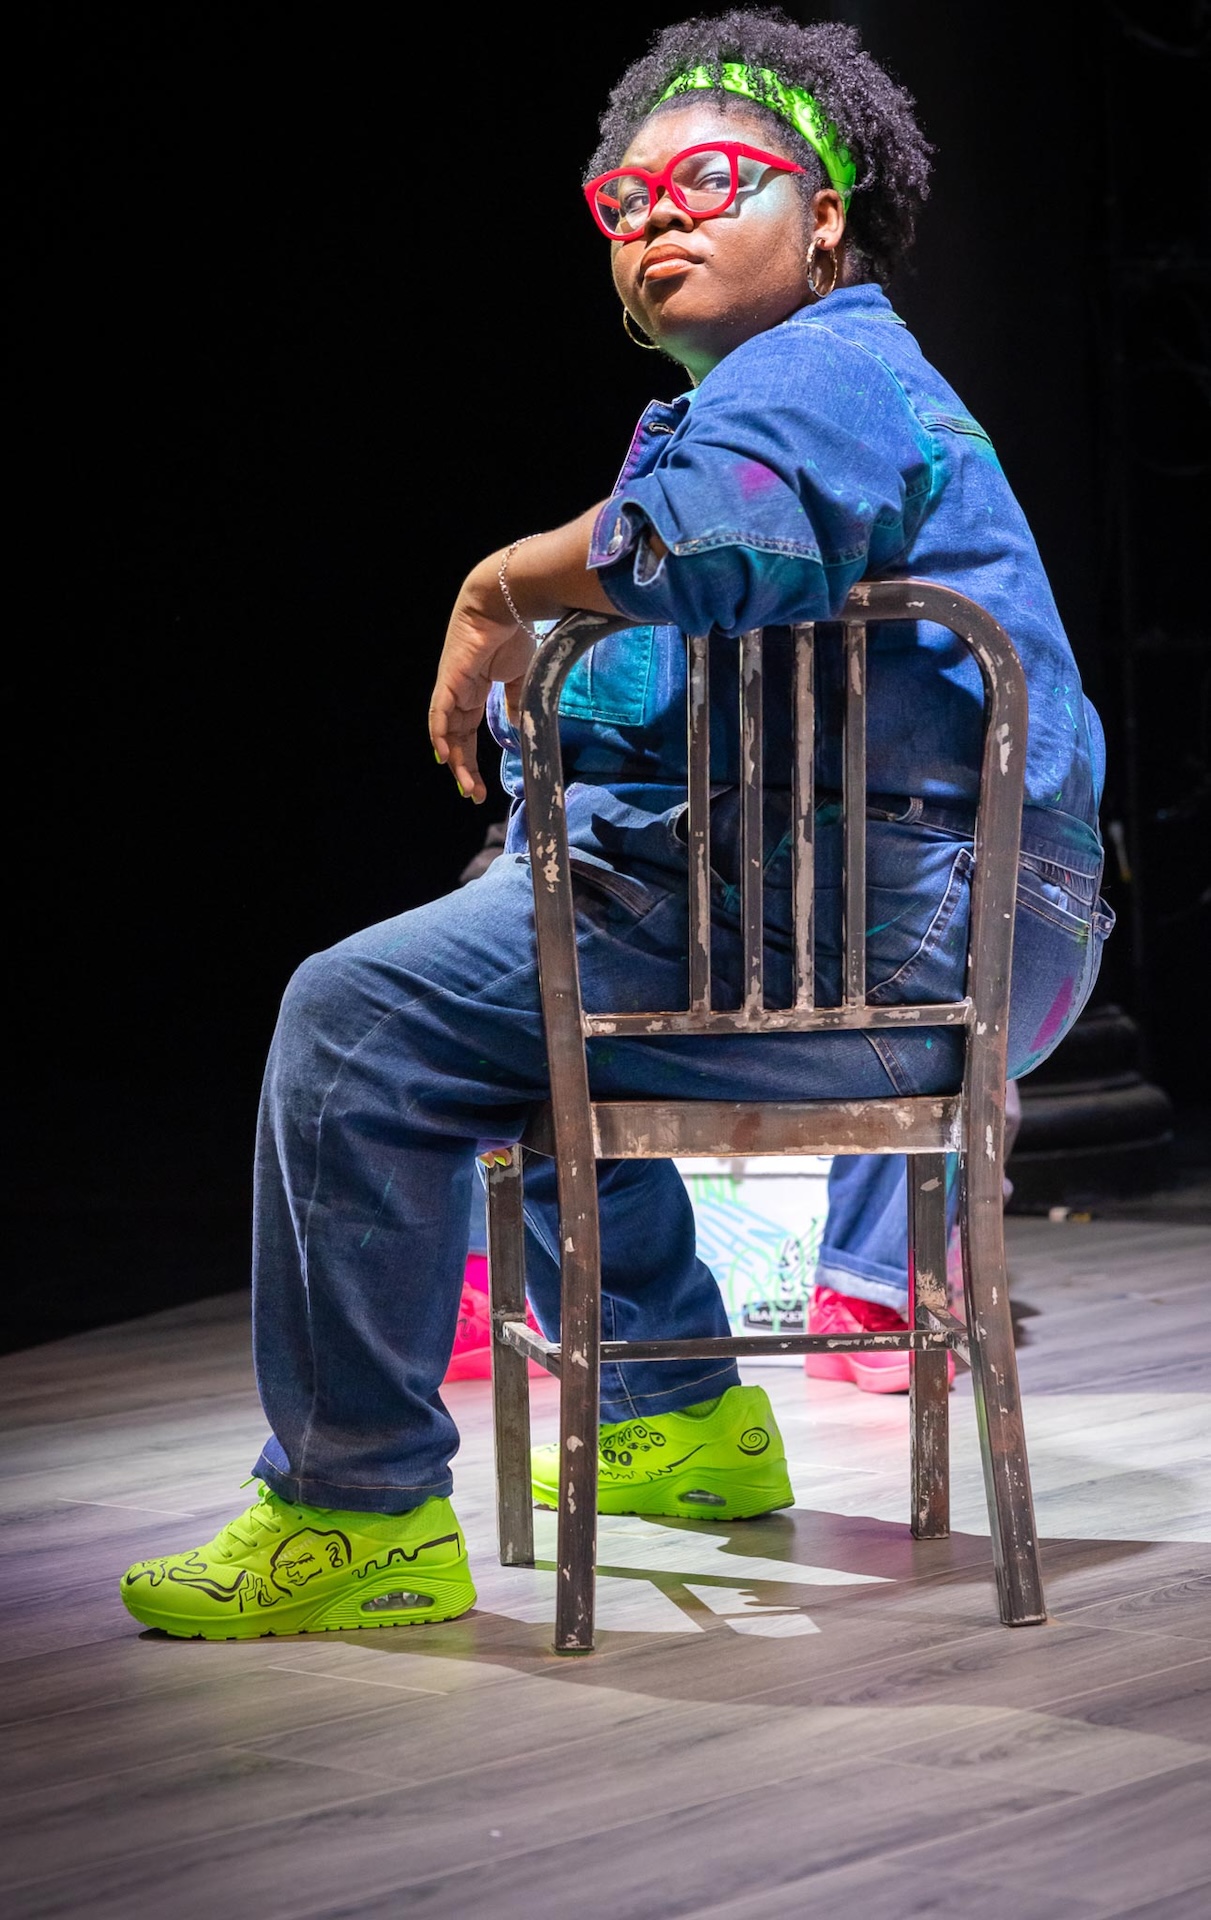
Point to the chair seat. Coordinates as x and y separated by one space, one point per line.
673 1129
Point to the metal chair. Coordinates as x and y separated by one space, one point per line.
579 1130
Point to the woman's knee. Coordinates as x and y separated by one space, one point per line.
329 994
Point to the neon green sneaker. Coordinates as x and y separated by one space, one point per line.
281 1568
723 1460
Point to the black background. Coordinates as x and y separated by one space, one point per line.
292 352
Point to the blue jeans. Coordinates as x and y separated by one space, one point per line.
402 1050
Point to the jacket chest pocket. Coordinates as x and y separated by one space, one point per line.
611 682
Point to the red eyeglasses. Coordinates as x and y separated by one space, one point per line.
704 181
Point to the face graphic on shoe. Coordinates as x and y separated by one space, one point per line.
306 1555
303 1556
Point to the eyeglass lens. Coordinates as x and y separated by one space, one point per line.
700 182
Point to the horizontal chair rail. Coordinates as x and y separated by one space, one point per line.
950 1013
727 1129
956 1333
548 1353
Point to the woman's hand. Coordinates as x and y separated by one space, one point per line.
548 576
483 643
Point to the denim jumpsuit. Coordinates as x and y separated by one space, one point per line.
818 452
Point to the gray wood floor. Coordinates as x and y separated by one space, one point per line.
806 1713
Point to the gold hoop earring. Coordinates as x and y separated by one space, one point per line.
811 264
628 327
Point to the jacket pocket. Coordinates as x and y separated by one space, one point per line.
610 682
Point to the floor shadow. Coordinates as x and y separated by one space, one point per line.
938 1579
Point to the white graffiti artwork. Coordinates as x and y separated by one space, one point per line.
760 1237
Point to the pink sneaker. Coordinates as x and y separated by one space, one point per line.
874 1372
472 1355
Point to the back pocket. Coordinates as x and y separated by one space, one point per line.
935 970
1063 895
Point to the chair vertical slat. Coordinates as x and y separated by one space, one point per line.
929 1389
752 821
572 1117
853 815
803 825
994 1381
698 760
510 1376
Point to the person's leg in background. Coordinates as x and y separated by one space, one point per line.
861 1278
864 1247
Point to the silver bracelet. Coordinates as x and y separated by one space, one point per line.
504 585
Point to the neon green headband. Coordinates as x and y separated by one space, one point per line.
794 105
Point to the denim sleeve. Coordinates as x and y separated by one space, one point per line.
799 467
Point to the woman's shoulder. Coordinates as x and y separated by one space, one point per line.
853 324
849 363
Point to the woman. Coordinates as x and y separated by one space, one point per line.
755 184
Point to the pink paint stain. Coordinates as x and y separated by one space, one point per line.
755 479
1055 1017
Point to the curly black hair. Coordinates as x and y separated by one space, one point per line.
873 114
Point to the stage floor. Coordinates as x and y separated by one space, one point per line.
805 1714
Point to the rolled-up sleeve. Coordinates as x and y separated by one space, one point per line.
798 467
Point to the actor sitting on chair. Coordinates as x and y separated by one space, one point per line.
756 184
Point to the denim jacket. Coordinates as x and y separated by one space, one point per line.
819 452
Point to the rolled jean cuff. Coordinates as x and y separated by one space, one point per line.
303 1491
863 1281
618 1402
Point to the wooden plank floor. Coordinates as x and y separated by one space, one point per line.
808 1713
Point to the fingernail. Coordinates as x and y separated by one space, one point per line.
437 756
461 789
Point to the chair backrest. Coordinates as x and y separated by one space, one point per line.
984 1010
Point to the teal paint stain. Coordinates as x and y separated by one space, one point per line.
893 922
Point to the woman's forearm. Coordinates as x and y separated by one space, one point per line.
547 575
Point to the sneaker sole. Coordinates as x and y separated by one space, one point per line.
713 1495
444 1597
849 1367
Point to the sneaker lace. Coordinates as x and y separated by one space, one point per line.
263 1518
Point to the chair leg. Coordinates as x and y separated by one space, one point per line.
929 1374
579 1416
510 1373
994 1375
